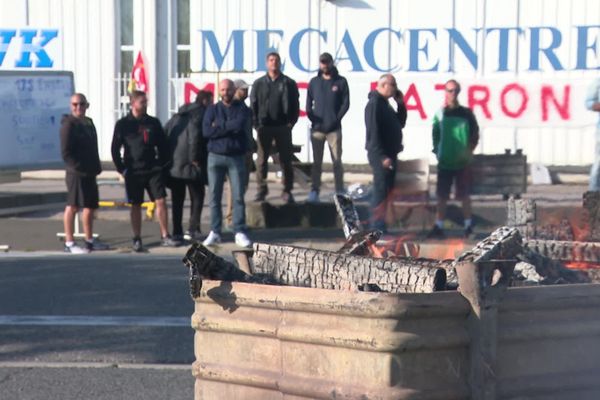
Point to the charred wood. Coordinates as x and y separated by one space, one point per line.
360 242
304 267
522 215
502 244
551 270
565 250
204 264
348 214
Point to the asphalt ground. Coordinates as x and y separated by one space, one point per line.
97 326
115 324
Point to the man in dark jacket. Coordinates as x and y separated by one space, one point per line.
384 142
145 155
327 101
275 110
79 147
188 165
224 127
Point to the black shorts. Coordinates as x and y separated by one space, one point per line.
136 184
462 178
82 191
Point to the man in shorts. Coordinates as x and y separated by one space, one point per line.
145 155
455 136
79 148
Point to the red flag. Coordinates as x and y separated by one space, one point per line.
138 76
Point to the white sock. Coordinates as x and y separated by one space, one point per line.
468 222
439 223
69 244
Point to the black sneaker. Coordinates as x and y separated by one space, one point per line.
137 245
436 233
469 232
169 241
96 245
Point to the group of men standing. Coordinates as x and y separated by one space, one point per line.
205 143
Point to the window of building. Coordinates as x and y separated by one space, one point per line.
126 35
183 37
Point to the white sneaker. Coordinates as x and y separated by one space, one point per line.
212 239
313 197
74 249
241 239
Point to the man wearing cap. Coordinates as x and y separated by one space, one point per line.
327 101
275 111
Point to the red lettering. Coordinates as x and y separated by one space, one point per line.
439 86
524 100
548 95
189 88
475 100
412 93
302 86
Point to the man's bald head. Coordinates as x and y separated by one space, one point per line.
386 85
226 91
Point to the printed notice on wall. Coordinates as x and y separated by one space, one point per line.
32 104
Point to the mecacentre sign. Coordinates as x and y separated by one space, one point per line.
511 76
542 42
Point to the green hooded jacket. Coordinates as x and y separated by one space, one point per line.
455 136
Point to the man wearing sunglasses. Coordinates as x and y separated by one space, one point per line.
455 136
79 148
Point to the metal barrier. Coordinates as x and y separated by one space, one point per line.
150 206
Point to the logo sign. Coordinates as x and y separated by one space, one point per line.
28 48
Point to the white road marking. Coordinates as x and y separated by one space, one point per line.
85 320
41 364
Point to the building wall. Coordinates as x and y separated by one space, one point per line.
231 38
84 45
413 38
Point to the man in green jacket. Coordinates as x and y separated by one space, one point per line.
455 136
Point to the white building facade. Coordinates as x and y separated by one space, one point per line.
524 65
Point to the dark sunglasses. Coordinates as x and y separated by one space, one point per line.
452 90
79 104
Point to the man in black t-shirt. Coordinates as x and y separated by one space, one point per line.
145 155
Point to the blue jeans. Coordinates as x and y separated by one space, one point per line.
235 168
